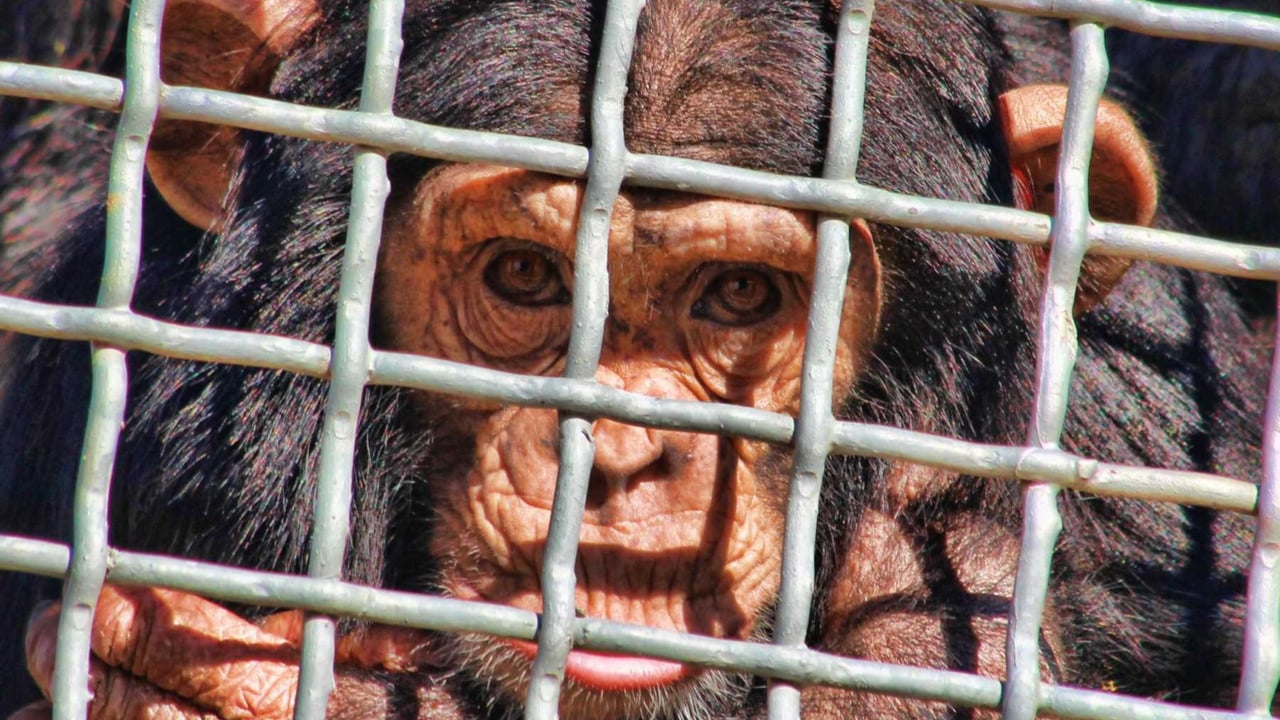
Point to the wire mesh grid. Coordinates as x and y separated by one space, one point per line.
351 364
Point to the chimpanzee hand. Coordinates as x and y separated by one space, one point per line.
167 654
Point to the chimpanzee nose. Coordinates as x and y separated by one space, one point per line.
624 451
627 455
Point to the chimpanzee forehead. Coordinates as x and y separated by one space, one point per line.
463 205
741 82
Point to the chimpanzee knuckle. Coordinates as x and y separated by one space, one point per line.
187 646
42 710
253 691
285 625
41 647
122 627
234 679
110 699
117 695
390 648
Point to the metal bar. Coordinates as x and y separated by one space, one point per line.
122 329
1011 462
799 665
1161 20
1261 667
815 425
351 358
583 397
1047 465
128 331
88 567
1055 360
590 312
399 135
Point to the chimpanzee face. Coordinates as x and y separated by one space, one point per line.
709 300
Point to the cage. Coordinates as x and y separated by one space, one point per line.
351 364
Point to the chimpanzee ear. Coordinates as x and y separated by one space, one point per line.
225 45
1122 176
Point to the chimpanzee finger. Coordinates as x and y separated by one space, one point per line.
179 643
285 625
35 711
41 642
115 695
377 647
196 649
382 647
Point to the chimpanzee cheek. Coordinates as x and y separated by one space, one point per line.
753 368
524 340
508 525
755 534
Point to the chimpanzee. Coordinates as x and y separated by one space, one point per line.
708 300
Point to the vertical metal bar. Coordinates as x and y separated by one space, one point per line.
1261 669
605 171
1056 358
351 357
107 400
815 423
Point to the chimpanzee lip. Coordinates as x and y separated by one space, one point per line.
612 672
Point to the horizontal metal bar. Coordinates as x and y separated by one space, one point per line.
129 331
135 332
1162 20
583 397
1194 252
1016 462
74 87
250 587
265 589
393 134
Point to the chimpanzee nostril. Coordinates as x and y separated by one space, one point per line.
597 490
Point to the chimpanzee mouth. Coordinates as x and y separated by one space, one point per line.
599 684
591 670
611 672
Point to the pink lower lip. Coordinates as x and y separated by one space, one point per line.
607 671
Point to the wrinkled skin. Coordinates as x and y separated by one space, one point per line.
708 300
197 660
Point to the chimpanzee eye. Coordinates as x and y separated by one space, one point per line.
738 296
525 275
